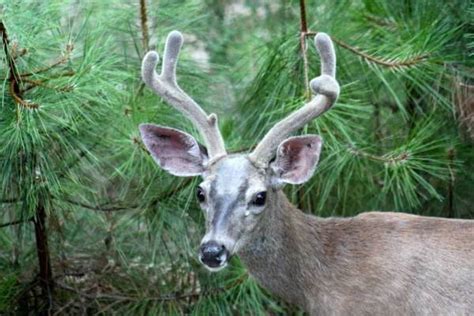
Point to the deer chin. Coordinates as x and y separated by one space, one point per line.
217 269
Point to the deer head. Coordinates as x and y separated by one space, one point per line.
239 189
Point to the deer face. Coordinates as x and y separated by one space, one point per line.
233 196
235 191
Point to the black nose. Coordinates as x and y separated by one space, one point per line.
213 255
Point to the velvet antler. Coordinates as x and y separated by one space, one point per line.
166 86
326 89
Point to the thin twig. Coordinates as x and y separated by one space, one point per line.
9 201
140 144
102 208
16 52
183 184
379 21
40 83
452 178
14 77
173 296
390 64
20 221
69 73
404 156
45 275
6 44
78 158
97 295
376 60
13 89
62 60
144 25
303 31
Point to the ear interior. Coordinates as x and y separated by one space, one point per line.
296 159
173 150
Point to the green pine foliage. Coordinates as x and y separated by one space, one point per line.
389 138
122 234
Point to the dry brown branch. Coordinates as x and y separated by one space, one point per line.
40 83
303 32
140 144
62 60
14 77
451 182
464 101
144 25
16 95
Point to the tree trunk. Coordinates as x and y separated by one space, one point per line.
45 273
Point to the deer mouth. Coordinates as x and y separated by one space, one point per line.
216 269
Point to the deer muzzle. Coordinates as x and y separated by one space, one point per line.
213 255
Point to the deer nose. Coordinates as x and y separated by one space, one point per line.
213 254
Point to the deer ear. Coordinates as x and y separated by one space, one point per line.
296 159
175 151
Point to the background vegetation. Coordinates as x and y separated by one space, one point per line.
89 224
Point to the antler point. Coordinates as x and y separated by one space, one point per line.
151 57
322 39
175 36
212 119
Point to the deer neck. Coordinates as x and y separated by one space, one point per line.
285 253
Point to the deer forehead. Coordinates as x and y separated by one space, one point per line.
234 175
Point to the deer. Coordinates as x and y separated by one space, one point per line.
376 263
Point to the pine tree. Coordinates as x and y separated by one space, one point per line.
58 93
89 224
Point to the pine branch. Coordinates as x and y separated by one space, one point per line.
140 144
410 62
45 276
60 61
451 182
20 221
173 296
303 32
40 83
390 64
9 201
78 159
14 76
102 208
145 38
378 21
16 94
144 25
385 159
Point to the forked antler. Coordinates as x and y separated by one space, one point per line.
166 86
327 90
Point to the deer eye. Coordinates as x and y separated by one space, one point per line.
200 195
260 199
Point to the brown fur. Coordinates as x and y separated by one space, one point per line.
376 263
371 264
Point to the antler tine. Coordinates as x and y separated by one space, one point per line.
166 86
324 45
327 90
